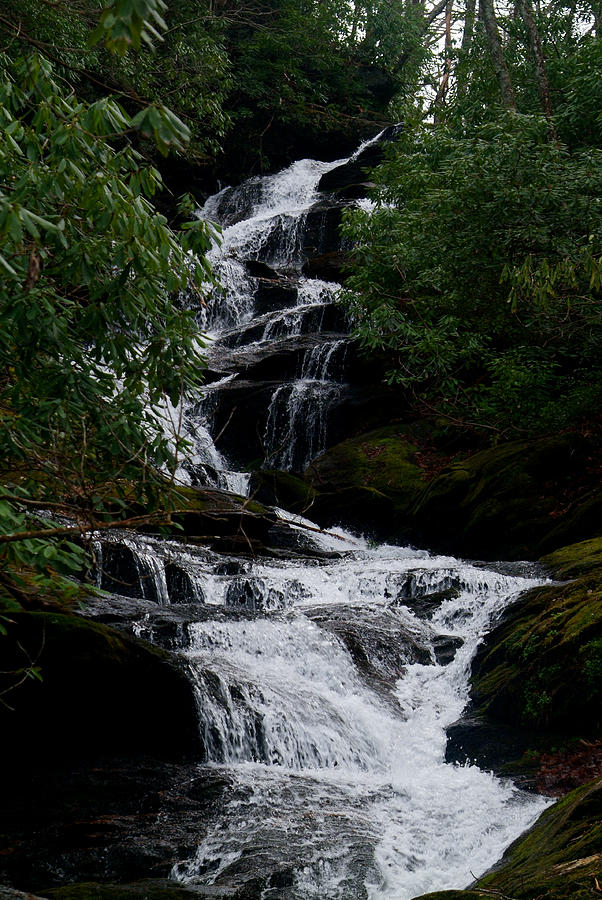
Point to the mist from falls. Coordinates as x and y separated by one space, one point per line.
325 681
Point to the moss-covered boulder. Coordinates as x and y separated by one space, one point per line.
75 689
514 501
542 665
369 482
282 489
454 895
560 858
575 560
230 523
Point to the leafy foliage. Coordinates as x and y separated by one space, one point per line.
480 271
92 341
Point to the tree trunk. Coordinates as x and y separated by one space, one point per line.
543 85
497 54
467 34
439 101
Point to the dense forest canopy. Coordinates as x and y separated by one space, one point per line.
477 273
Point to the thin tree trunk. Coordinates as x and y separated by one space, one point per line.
467 34
597 14
439 101
462 70
497 54
543 85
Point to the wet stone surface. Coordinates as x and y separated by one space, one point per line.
118 820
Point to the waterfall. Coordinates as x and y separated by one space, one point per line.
264 300
324 689
325 681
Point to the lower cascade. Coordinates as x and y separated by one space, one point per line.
324 688
325 678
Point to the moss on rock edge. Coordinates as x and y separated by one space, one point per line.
560 858
542 665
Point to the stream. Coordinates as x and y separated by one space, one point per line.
325 677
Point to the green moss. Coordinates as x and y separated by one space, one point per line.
454 895
383 460
370 481
561 856
541 666
504 502
282 489
576 559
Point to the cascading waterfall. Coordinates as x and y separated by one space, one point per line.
263 222
325 682
324 689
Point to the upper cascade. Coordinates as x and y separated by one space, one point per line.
278 342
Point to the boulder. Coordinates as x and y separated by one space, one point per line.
150 889
272 294
541 667
327 266
78 690
321 231
368 482
282 489
353 173
74 831
513 501
378 640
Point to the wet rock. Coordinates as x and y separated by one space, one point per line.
116 822
321 232
279 360
297 543
379 642
445 647
7 893
180 586
492 746
240 420
258 269
156 889
249 593
422 596
541 666
353 173
122 572
274 294
310 319
327 266
235 204
100 690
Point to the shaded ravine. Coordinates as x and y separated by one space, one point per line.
326 671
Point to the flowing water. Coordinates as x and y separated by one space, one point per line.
325 682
